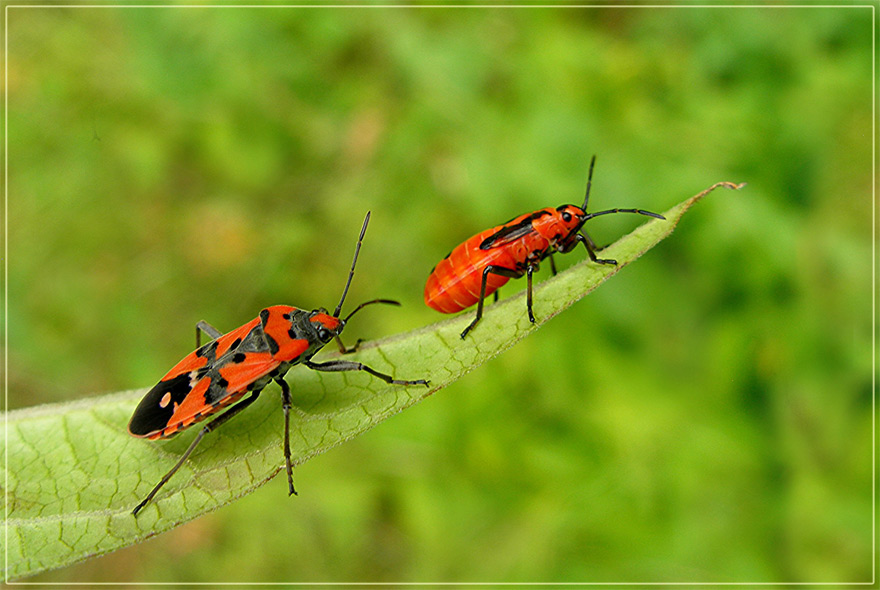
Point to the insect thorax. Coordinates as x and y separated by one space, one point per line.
317 327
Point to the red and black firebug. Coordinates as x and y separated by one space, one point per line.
243 362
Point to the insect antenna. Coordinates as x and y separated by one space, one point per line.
366 303
353 263
639 211
587 199
589 182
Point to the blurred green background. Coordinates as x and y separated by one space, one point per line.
703 417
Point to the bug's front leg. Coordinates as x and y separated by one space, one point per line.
344 350
591 247
333 366
342 347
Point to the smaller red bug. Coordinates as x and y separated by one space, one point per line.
480 265
245 360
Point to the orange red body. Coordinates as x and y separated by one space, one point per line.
454 284
245 361
480 265
221 372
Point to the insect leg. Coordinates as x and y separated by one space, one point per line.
529 270
552 264
344 350
497 270
285 403
333 366
205 430
208 329
592 243
591 249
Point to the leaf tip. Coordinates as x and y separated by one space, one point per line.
725 184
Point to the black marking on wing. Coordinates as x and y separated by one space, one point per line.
217 390
208 351
511 233
273 345
255 341
150 416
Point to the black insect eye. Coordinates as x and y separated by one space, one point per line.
324 334
566 216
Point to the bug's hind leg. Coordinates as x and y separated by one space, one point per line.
208 329
491 269
205 430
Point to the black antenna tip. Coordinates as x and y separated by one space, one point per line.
357 250
364 228
589 182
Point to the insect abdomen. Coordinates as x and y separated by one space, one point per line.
454 284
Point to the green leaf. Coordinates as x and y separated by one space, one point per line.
73 474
